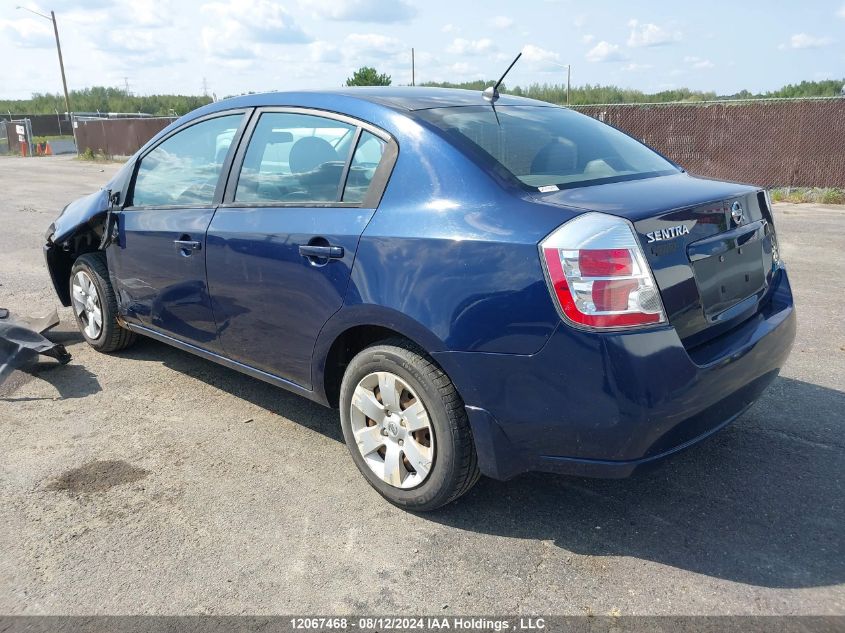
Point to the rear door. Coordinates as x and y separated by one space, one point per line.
158 259
280 249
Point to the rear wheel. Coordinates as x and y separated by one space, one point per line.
406 428
95 306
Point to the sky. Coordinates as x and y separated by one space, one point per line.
228 47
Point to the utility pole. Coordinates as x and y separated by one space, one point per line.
412 68
126 85
204 87
568 77
52 18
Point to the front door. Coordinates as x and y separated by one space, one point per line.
158 260
281 247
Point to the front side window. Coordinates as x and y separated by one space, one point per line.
294 158
365 160
184 169
547 146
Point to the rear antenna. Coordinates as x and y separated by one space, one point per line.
491 94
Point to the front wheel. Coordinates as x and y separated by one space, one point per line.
406 428
95 306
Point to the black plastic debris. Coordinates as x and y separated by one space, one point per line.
22 340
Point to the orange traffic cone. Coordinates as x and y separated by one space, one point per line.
48 151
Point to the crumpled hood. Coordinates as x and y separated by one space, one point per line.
77 213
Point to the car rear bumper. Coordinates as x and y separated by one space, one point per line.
604 405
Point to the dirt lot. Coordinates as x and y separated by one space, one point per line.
156 482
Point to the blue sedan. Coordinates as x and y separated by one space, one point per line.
480 286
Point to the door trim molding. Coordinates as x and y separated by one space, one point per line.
226 362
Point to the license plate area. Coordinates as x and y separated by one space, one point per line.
730 267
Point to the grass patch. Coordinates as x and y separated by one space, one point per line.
91 155
817 195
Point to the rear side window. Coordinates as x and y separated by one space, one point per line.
365 161
547 146
184 169
294 158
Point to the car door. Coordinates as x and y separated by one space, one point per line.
282 244
158 259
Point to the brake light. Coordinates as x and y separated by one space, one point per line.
599 276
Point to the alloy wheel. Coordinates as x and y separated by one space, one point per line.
86 304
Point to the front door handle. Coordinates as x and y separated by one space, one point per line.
321 252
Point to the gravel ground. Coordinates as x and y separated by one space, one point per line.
156 482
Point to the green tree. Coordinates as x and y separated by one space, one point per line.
368 76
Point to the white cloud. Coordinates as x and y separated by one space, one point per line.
371 47
149 13
803 40
605 52
588 38
841 12
634 67
324 52
698 62
384 11
449 28
461 46
249 21
28 32
649 34
540 58
502 22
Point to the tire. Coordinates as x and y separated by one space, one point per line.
108 336
439 436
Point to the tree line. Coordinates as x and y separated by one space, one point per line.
588 94
105 99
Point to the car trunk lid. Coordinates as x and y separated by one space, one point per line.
712 263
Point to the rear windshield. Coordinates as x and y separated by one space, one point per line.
547 147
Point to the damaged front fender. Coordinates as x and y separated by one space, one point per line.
82 227
79 215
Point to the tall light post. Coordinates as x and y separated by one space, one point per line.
52 18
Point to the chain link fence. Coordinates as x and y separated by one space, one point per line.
767 142
116 137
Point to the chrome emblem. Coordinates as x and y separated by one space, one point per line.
736 212
667 234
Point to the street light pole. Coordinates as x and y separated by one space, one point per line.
61 62
52 18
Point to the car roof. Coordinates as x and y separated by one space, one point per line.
396 97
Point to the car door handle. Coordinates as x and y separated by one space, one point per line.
189 245
322 252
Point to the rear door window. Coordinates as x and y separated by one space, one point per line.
365 161
294 158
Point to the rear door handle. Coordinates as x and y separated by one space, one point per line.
322 252
189 245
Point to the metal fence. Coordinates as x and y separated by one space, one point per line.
768 142
116 137
58 124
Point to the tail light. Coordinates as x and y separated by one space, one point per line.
598 275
